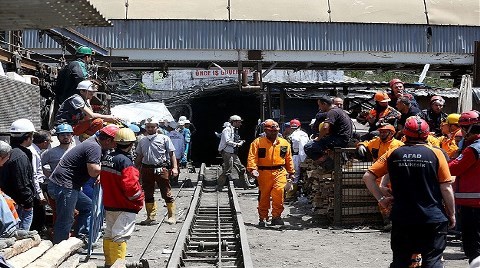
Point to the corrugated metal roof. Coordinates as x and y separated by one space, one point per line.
45 14
262 35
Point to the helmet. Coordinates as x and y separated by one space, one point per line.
83 50
22 126
469 118
181 123
437 99
87 85
186 121
394 81
63 128
452 119
151 120
269 124
134 128
235 118
182 118
124 135
110 130
387 127
416 127
294 123
381 97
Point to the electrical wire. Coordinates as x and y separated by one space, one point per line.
30 51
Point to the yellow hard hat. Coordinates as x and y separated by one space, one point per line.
452 119
125 135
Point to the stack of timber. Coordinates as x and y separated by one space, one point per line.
357 205
37 253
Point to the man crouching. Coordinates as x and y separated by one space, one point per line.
122 196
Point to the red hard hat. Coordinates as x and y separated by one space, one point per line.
110 130
394 81
294 123
416 127
469 118
381 97
269 124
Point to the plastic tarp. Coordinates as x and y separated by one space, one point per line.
136 112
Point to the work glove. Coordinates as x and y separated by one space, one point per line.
362 150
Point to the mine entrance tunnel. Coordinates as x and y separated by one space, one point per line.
211 111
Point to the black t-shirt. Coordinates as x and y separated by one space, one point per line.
72 170
414 176
340 124
319 118
412 111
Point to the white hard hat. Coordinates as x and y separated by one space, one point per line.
182 118
181 123
186 121
235 118
22 126
151 120
87 85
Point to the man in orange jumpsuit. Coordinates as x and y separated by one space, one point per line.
381 144
270 160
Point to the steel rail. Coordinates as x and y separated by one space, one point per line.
219 232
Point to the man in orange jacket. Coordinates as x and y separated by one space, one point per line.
270 161
381 144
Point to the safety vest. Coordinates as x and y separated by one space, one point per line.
467 186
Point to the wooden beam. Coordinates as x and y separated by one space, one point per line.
71 262
21 246
57 254
24 259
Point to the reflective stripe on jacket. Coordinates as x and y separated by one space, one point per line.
264 153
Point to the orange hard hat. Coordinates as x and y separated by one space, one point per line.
394 81
381 97
387 127
270 124
110 130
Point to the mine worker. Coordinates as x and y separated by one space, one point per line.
336 131
156 161
397 90
75 168
298 139
17 172
52 156
435 114
228 147
187 135
188 124
178 141
467 187
420 221
122 196
450 128
8 213
337 101
381 144
406 109
72 74
270 161
381 113
41 141
77 111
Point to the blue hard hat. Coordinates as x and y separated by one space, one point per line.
134 128
63 128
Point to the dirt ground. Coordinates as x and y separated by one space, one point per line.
300 243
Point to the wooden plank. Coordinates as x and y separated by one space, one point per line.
22 260
21 246
71 262
57 254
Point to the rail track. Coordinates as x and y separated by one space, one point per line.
213 233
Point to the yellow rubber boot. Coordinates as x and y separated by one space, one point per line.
171 213
118 250
151 214
107 252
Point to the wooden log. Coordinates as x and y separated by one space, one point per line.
57 254
21 246
22 260
71 262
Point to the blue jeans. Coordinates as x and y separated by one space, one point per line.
67 200
25 217
8 223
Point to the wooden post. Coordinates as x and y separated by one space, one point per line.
337 190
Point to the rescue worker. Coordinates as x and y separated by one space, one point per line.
467 187
178 141
420 221
122 196
435 114
77 111
52 156
381 113
157 162
17 172
406 108
298 140
41 141
75 168
228 148
72 74
397 90
336 131
270 161
187 135
450 128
